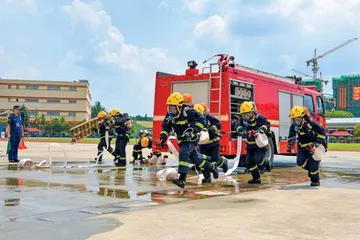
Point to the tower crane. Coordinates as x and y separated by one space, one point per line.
314 60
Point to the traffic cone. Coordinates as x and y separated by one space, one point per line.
8 148
22 145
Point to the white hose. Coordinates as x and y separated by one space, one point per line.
237 158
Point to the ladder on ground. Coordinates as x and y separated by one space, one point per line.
215 90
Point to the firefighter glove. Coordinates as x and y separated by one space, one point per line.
162 140
263 129
211 131
311 147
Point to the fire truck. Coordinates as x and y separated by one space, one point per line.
224 85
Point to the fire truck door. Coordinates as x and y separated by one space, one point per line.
284 110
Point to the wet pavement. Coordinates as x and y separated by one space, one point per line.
62 202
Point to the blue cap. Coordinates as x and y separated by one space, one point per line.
16 107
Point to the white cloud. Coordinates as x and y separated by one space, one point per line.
318 15
29 5
214 25
111 46
195 6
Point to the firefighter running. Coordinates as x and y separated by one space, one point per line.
212 147
187 124
145 141
310 135
104 125
250 125
122 132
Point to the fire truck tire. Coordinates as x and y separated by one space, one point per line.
270 152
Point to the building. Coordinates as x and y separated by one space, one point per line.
347 93
51 98
333 124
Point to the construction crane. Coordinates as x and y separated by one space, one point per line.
299 72
314 60
307 75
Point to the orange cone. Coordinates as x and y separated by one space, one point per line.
22 145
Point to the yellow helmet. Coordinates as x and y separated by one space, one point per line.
115 112
199 108
144 142
102 114
297 111
175 99
246 107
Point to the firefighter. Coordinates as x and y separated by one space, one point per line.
212 148
104 126
250 124
310 135
145 141
122 132
187 124
188 100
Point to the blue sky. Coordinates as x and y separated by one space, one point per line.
119 45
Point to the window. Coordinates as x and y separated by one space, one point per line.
54 88
9 87
32 113
53 101
72 88
17 99
31 87
309 103
320 105
72 101
72 114
17 86
31 100
53 114
9 99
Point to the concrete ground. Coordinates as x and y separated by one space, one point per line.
131 203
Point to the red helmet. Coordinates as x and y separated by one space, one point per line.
187 98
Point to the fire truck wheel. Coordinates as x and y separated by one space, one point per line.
270 152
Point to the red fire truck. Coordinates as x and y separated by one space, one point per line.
224 86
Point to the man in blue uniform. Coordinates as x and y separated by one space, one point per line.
187 124
14 133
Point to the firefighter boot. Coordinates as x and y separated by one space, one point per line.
207 177
223 163
315 184
254 181
179 183
214 170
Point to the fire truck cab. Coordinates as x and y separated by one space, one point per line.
223 86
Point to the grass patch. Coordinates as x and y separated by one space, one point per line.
344 147
145 124
68 140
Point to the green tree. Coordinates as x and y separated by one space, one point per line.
42 122
25 115
339 114
357 131
342 128
96 108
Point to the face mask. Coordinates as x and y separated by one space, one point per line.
246 117
172 110
298 122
